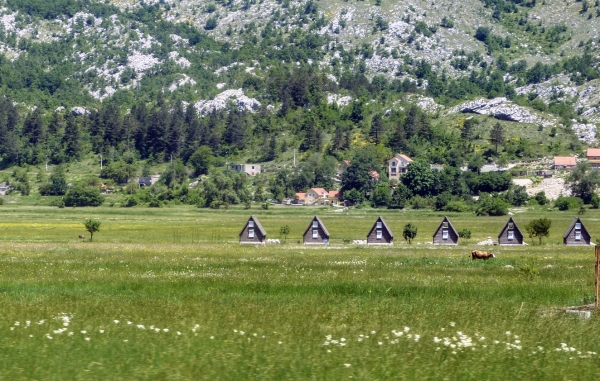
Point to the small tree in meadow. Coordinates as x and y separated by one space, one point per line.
285 231
539 228
92 226
410 232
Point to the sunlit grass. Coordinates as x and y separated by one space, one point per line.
144 303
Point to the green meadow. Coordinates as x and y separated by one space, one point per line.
169 294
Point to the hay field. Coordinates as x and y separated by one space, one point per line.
169 294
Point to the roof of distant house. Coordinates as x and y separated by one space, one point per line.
301 196
334 194
374 174
595 152
320 191
404 157
564 160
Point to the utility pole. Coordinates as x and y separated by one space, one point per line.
100 162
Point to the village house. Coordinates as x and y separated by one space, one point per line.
148 181
564 162
510 234
593 156
380 234
316 233
300 199
577 234
397 166
445 234
253 232
249 169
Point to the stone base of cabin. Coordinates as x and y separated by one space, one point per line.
445 244
380 244
316 243
252 243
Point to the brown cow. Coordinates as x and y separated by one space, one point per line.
81 237
478 254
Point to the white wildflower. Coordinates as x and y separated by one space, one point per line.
347 365
116 321
87 339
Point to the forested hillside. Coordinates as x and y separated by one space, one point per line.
183 87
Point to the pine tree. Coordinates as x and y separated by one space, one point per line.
34 128
71 138
398 139
497 135
376 129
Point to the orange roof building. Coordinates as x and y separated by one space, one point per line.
593 156
564 162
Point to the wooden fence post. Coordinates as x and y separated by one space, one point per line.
596 272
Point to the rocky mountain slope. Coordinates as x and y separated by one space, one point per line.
211 53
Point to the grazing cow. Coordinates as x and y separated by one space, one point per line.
478 254
81 237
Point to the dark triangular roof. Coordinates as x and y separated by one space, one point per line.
384 225
449 225
320 224
256 225
572 226
516 227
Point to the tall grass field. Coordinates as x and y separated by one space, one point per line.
169 294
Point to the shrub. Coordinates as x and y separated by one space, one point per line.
566 203
457 207
465 233
595 201
541 198
492 206
81 195
211 23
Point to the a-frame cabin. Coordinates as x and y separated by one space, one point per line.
445 234
510 234
253 232
577 234
316 233
380 233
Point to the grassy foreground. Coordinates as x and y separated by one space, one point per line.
168 294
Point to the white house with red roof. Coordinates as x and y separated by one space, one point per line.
317 196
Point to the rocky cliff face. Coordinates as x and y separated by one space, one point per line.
111 53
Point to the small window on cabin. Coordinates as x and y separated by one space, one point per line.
250 233
250 224
315 224
445 234
252 167
577 236
315 233
445 224
393 163
578 226
394 170
379 225
511 236
511 225
379 234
